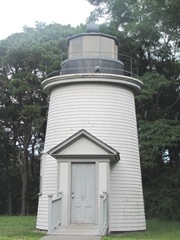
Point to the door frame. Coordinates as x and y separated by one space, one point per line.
83 161
66 188
94 194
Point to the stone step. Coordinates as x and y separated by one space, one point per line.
78 229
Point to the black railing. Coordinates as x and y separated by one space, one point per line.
124 65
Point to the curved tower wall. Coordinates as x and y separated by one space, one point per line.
107 111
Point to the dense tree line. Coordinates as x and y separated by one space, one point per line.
148 31
25 60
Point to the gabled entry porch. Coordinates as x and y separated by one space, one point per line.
81 204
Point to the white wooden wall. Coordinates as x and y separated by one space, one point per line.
107 111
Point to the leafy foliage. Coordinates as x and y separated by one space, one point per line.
159 137
150 28
25 60
148 31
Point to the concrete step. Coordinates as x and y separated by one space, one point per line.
71 237
78 229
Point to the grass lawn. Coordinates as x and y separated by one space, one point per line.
19 228
156 229
23 228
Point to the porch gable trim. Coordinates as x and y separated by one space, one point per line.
57 151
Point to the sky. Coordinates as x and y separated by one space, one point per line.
15 14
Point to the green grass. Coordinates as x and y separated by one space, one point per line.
156 230
19 228
23 228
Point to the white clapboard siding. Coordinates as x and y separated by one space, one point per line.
42 213
49 186
107 111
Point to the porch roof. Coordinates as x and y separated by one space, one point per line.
83 144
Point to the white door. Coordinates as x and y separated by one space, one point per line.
83 193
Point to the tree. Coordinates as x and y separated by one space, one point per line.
149 27
159 151
159 136
8 171
25 60
148 30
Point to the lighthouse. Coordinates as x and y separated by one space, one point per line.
90 176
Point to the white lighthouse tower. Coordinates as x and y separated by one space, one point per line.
90 166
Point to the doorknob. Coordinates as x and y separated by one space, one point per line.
72 195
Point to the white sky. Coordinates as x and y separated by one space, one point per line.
14 14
